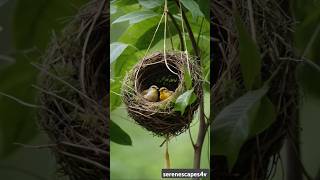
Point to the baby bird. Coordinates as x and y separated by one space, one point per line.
151 94
165 93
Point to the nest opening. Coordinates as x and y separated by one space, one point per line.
160 117
159 75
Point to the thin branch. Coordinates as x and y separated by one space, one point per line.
89 161
191 36
192 142
202 125
178 30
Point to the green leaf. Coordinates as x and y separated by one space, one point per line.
115 99
187 78
116 49
118 135
308 75
250 60
140 34
118 70
264 115
305 31
184 100
204 6
149 4
235 124
113 9
193 7
135 17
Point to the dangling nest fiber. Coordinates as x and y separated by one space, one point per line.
160 117
74 95
273 28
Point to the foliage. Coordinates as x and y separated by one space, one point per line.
243 119
250 60
135 23
185 100
117 135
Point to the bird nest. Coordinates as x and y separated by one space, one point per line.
160 117
272 23
74 95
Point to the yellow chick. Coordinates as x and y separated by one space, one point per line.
165 93
151 94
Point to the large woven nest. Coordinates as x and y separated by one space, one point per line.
160 117
272 24
74 95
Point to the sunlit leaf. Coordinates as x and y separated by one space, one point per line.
193 7
118 135
140 34
187 78
149 4
250 60
135 17
247 116
115 99
113 9
184 100
116 50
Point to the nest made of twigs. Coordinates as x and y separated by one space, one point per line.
272 23
74 95
160 117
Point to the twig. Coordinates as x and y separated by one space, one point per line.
192 39
202 125
89 161
191 139
178 30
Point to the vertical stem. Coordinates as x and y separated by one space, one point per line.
190 33
200 138
202 124
166 155
178 30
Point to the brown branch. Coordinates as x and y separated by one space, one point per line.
178 30
203 127
191 36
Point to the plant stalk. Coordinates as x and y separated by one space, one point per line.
203 127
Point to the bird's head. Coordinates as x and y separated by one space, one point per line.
163 89
154 87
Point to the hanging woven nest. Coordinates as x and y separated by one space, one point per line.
160 117
273 28
74 95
